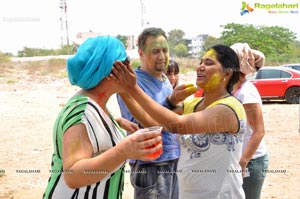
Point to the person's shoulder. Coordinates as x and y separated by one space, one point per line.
138 71
250 92
74 107
77 100
228 100
235 104
248 85
190 103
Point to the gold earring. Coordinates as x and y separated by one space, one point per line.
224 79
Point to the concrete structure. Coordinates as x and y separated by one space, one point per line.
82 36
195 44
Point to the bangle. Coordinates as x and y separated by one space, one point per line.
169 103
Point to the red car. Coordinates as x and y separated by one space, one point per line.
275 83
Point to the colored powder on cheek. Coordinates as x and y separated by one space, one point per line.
167 62
213 82
157 44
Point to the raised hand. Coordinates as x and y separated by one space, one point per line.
125 75
181 92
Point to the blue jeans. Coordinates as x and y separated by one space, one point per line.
153 181
252 185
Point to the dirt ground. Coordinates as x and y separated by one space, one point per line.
29 103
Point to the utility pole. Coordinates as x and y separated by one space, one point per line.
145 17
64 24
143 14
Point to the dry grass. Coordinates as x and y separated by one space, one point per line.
187 65
53 68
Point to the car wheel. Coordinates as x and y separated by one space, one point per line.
292 95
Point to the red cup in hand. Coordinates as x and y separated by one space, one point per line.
157 153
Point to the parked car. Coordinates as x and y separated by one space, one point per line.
277 83
274 83
293 66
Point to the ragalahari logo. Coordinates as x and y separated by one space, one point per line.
245 8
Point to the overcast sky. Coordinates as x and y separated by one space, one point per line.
36 23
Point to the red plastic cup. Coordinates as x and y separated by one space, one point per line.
157 153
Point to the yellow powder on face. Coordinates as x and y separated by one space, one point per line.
156 43
213 82
159 43
167 61
211 54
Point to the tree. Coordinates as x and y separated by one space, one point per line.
272 41
176 42
295 48
180 50
175 37
123 39
210 41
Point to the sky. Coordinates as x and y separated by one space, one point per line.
36 23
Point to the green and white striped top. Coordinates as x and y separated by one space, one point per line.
103 132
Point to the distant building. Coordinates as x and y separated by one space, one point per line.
131 42
82 36
195 45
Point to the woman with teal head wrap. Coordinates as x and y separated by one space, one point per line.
94 60
90 148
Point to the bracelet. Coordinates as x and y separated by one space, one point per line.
169 103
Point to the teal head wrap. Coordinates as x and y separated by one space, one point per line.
94 61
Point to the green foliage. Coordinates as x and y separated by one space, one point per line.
180 50
177 44
123 39
135 63
65 50
295 50
210 41
272 41
175 37
31 52
277 43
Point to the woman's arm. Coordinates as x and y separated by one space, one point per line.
216 119
137 111
77 155
256 122
178 95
